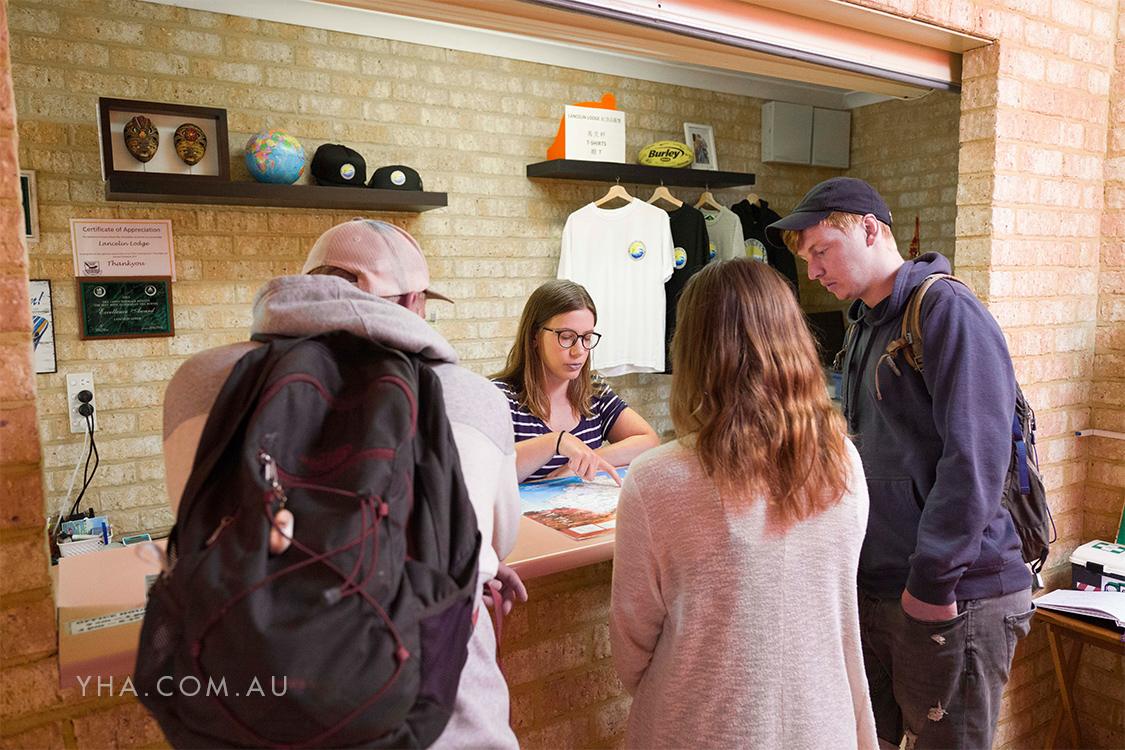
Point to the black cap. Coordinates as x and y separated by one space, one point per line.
395 177
846 194
334 164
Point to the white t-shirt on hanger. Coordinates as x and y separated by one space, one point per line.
622 256
724 228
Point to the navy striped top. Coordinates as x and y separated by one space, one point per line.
593 431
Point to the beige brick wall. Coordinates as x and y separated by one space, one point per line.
1101 680
1032 189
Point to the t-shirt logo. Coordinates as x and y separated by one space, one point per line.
637 250
347 171
680 256
755 250
712 246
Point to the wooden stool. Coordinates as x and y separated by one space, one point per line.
1066 669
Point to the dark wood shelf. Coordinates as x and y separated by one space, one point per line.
174 189
600 171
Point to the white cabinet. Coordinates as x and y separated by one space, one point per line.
802 134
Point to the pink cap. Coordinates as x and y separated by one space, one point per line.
386 260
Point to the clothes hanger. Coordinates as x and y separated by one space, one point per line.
708 200
752 199
614 193
662 194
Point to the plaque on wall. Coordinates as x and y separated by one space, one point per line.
124 307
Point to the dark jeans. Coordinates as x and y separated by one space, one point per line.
940 683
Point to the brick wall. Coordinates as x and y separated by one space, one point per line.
469 123
1031 193
33 711
1101 680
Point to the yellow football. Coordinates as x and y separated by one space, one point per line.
666 154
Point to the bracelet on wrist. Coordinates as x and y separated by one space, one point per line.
558 443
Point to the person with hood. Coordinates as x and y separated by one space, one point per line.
944 592
370 278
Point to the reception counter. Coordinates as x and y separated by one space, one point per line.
564 690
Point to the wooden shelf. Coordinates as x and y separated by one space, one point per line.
174 189
600 171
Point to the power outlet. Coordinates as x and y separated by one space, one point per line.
75 383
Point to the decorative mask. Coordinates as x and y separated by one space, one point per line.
191 143
141 138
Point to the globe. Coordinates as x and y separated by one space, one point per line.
276 157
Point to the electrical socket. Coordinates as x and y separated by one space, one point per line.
76 382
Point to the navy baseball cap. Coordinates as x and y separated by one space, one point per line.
846 194
337 165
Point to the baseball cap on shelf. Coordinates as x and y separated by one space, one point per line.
385 259
395 177
335 164
845 194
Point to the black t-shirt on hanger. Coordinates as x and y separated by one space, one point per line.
691 252
755 218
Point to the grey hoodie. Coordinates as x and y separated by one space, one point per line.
482 430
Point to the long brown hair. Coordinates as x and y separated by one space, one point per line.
748 393
524 372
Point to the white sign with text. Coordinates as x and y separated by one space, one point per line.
120 247
595 134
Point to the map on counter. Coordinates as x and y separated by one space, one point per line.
578 509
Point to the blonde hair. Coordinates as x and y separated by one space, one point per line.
843 221
748 393
524 371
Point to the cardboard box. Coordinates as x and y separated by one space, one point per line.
1098 566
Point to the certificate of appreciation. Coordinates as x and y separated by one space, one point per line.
122 247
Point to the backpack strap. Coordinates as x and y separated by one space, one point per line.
910 342
1021 455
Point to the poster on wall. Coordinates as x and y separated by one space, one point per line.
122 247
42 327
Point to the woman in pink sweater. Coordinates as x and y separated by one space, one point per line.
734 620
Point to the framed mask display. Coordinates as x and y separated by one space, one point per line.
162 140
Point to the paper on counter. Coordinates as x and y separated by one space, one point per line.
1105 604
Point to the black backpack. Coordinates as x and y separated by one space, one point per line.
1024 497
356 634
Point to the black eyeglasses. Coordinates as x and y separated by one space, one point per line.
568 338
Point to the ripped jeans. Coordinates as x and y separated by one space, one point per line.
939 683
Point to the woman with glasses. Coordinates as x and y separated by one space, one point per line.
566 421
734 619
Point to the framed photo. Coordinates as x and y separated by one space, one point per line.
162 140
43 326
701 140
30 206
124 307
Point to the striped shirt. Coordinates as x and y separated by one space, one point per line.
593 431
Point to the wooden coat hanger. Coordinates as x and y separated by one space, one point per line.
752 199
662 194
707 200
614 193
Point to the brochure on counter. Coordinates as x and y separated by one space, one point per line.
579 509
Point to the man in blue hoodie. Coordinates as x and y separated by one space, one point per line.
944 592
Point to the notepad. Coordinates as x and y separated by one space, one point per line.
1109 605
